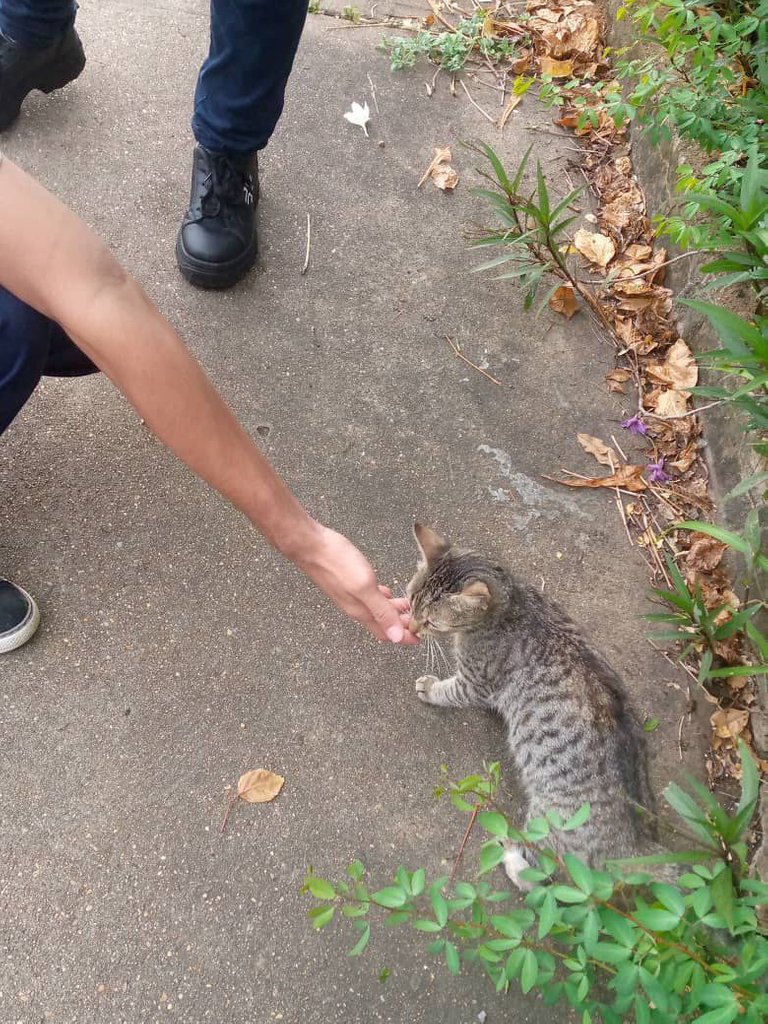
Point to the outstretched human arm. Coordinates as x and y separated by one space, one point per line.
50 259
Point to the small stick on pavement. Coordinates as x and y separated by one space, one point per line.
476 105
373 90
433 164
460 854
231 801
309 242
460 355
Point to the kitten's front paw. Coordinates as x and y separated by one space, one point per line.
424 686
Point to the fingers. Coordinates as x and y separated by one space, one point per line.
386 614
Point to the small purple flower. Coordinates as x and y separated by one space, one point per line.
656 472
635 425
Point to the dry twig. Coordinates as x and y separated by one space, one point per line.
460 355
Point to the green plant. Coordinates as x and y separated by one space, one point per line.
742 241
705 78
314 7
613 944
697 627
450 50
743 356
532 229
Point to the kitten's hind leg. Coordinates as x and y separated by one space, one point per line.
515 862
446 693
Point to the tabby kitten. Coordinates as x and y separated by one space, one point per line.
571 731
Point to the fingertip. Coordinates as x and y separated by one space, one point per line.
395 633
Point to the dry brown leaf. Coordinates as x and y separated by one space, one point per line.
645 345
715 594
679 368
444 176
547 16
730 723
625 210
616 380
564 301
442 156
632 280
705 553
686 458
637 252
574 34
672 403
629 478
513 102
635 303
585 38
556 68
569 120
731 651
604 455
522 64
597 248
259 786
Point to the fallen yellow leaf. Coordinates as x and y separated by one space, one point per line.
259 786
513 102
556 68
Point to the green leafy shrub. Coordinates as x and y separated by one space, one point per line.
705 78
449 50
613 944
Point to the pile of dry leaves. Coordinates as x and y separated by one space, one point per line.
656 471
655 367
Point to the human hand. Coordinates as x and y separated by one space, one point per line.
347 577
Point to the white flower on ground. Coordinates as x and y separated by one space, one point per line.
359 115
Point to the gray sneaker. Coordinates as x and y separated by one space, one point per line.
19 616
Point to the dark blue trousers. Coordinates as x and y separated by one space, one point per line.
240 89
32 346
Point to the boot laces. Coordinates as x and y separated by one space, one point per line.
225 185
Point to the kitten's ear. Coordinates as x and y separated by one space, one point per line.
477 594
431 545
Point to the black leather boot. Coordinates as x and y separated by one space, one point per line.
216 245
23 69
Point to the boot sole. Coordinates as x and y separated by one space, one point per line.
214 275
65 70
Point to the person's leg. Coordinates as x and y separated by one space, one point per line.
30 345
241 87
238 101
39 49
36 23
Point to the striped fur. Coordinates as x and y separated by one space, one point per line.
571 730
